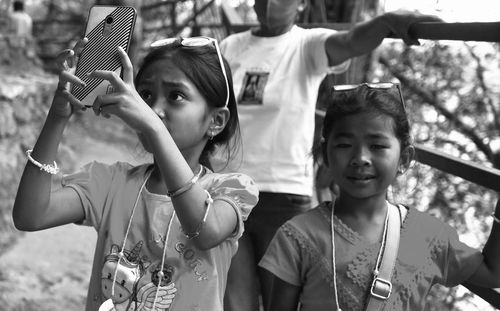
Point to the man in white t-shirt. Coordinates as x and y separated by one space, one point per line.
277 69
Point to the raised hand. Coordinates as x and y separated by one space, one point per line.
64 103
124 101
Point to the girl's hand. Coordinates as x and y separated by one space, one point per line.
124 101
63 102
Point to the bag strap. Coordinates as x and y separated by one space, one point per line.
381 287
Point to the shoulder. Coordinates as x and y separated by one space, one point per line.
103 171
234 38
237 186
118 168
427 227
230 180
311 221
312 33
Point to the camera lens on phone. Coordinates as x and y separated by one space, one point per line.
109 19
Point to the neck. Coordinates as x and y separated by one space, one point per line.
263 31
367 208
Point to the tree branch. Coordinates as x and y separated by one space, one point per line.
430 99
483 86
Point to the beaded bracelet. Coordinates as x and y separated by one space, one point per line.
196 232
51 169
495 218
188 185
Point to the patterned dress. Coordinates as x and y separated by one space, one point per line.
429 253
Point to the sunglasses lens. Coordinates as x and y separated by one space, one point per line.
383 86
350 87
199 41
377 86
162 42
345 87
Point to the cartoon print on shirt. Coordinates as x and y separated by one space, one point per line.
252 89
129 269
120 274
147 294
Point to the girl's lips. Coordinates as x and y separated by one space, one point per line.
361 177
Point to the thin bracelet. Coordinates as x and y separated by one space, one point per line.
495 218
188 185
49 168
196 232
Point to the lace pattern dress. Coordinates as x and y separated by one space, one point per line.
429 253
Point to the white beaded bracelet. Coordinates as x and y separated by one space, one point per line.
194 234
51 169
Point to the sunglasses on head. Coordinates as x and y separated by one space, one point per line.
374 86
196 42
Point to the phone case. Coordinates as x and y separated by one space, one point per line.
107 28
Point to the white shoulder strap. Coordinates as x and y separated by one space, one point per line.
381 287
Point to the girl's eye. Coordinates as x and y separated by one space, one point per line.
342 145
175 96
146 95
378 146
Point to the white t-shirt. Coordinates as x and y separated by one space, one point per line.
276 81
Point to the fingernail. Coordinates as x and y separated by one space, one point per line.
120 48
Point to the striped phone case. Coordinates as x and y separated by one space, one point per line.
107 28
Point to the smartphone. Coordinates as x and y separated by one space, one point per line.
107 28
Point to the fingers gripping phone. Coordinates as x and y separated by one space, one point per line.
107 28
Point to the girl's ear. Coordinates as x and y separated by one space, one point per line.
220 117
407 155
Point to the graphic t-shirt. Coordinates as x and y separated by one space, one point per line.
128 269
276 82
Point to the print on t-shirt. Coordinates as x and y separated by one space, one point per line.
121 274
252 89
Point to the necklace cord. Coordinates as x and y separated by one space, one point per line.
333 261
164 255
122 254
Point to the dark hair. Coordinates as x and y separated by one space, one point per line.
201 65
365 99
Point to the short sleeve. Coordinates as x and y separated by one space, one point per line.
459 261
282 257
92 183
240 191
315 45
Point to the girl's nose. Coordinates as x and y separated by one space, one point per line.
159 112
159 109
360 157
